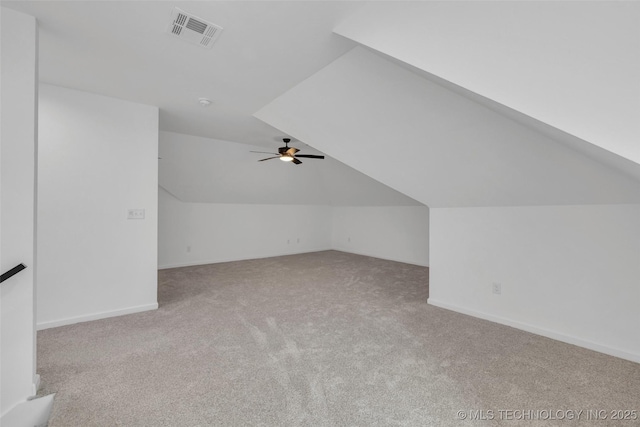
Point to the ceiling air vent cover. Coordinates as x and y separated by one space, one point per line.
193 29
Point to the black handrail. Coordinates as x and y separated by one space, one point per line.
15 270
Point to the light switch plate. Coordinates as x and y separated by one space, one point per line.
135 214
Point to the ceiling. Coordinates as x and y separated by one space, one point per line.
577 72
204 170
437 145
281 68
121 49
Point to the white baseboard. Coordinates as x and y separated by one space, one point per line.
33 412
95 316
404 261
232 259
569 339
36 384
256 256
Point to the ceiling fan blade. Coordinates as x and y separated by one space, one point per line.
310 156
269 158
296 161
263 152
291 151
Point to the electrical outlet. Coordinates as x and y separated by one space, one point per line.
188 248
349 239
496 288
298 240
288 241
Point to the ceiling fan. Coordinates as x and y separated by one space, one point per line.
288 154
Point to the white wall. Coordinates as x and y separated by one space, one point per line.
202 233
397 233
17 207
97 159
568 272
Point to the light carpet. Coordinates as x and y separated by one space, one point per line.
320 339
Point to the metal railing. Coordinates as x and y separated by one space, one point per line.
15 270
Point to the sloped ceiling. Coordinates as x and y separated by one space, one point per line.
476 103
573 65
435 145
482 103
197 169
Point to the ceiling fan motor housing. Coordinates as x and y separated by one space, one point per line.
282 150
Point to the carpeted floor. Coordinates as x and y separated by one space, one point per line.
321 339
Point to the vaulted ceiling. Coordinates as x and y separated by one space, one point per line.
205 170
573 65
439 146
121 49
475 103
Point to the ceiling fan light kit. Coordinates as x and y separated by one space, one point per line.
288 154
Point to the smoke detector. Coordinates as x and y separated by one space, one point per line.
192 29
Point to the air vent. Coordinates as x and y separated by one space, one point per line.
193 29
